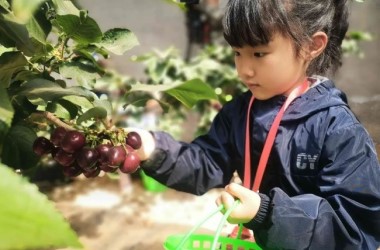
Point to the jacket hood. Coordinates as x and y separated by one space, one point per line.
320 97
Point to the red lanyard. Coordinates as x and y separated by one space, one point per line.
269 140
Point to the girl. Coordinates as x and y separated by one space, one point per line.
321 184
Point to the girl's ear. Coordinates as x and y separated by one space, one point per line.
318 44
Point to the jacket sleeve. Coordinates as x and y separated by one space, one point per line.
194 167
346 212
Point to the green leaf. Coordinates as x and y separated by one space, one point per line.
4 4
4 49
82 29
359 36
82 102
24 9
94 113
17 151
182 6
28 220
188 92
6 109
42 89
25 75
118 40
15 34
36 30
10 62
3 131
192 91
63 109
82 74
64 7
104 103
88 53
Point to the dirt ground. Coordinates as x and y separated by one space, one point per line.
112 214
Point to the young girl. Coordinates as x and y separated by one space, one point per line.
321 185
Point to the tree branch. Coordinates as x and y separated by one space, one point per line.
51 117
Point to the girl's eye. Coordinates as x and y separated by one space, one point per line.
237 53
259 54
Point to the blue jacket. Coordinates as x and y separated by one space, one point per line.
321 187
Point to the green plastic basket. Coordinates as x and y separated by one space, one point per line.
192 241
204 242
151 184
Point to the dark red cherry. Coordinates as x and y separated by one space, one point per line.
131 163
103 151
87 157
116 156
42 146
64 158
73 141
57 135
72 170
107 168
92 173
133 139
54 151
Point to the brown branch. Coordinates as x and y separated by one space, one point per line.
64 43
51 117
106 123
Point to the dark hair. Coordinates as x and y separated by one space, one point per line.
253 22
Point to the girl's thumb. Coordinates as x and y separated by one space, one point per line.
238 191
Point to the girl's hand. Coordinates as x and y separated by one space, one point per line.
248 207
148 143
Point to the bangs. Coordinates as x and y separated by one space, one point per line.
251 22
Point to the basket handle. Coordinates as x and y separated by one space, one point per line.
218 231
222 222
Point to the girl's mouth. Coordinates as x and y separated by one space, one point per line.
253 85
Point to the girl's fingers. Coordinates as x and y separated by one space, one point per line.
226 200
239 191
246 209
249 203
218 201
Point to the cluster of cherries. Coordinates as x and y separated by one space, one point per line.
69 149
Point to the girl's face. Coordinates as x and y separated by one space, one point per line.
272 69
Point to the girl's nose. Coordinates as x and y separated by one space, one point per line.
246 72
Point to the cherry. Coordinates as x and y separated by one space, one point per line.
128 148
64 158
92 173
107 168
87 157
133 139
103 151
131 163
57 135
73 141
116 156
42 146
72 170
54 151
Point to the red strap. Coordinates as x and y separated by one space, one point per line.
247 162
269 140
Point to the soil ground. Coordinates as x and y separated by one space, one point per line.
111 214
121 214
